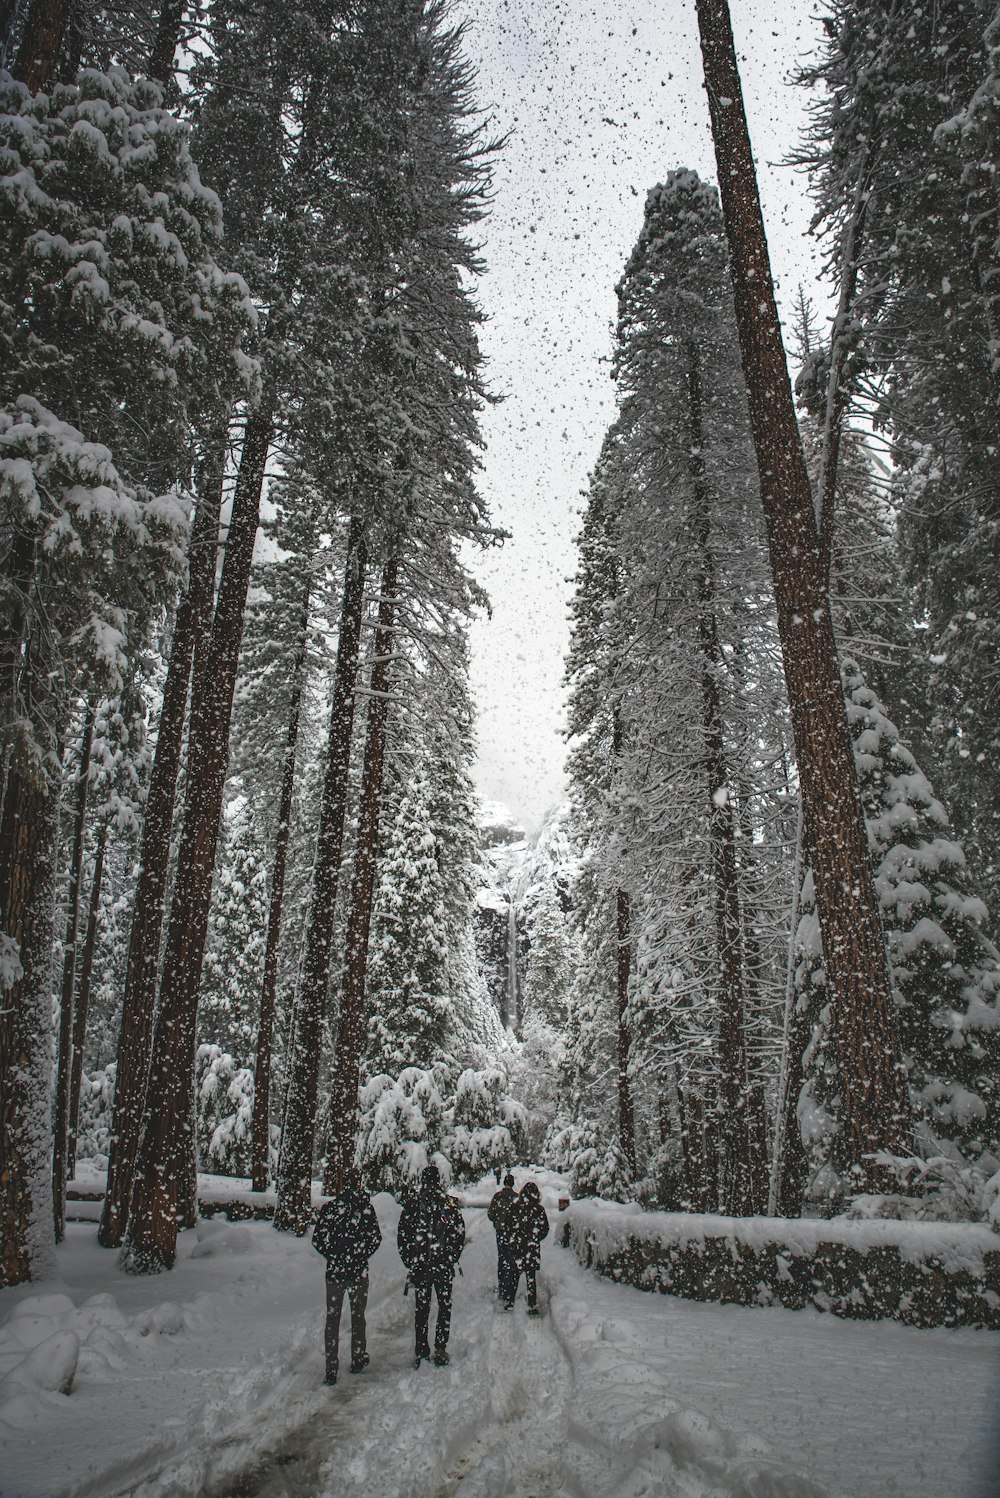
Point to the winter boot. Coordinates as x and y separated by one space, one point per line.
331 1378
441 1358
360 1363
423 1355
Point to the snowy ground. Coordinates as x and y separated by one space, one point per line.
207 1382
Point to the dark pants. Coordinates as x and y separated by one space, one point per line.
506 1272
422 1295
529 1284
357 1291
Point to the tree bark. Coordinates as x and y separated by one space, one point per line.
139 997
835 406
626 1116
343 1112
733 1077
64 1069
260 1125
163 1165
27 871
8 15
82 1004
168 31
41 43
697 1143
298 1129
875 1103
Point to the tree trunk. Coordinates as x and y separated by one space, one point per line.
27 871
168 31
626 1116
18 575
835 407
697 1143
343 1114
791 1163
139 997
64 1069
8 15
41 43
260 1126
163 1166
864 1021
733 1073
82 1004
298 1129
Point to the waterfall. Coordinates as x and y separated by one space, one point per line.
512 1017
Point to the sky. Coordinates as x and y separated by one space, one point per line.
600 101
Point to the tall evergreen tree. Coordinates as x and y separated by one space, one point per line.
904 104
875 1104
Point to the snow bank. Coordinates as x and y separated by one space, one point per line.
47 1339
920 1273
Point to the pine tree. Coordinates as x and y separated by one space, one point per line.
407 983
550 964
873 1093
906 108
234 955
673 587
946 974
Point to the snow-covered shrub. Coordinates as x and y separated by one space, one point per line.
596 1164
97 1090
225 1112
401 1128
941 1189
486 1125
535 1070
465 1125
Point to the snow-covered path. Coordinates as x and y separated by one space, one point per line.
610 1394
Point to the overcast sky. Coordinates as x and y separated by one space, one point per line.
601 100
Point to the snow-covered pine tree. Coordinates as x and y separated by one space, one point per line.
550 964
904 102
675 563
302 83
409 1004
112 268
234 954
946 973
430 507
875 1103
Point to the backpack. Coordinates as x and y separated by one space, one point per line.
431 1235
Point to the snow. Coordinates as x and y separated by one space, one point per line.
958 1245
209 1377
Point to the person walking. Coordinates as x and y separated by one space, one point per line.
346 1234
529 1224
430 1239
499 1213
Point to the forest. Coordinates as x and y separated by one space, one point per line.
256 922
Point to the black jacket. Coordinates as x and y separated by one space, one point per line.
347 1234
431 1235
499 1211
528 1224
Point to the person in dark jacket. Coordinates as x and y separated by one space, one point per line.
529 1224
346 1234
499 1212
430 1238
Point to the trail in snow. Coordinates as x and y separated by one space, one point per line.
612 1393
510 1417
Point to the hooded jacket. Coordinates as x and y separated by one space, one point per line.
431 1233
347 1234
